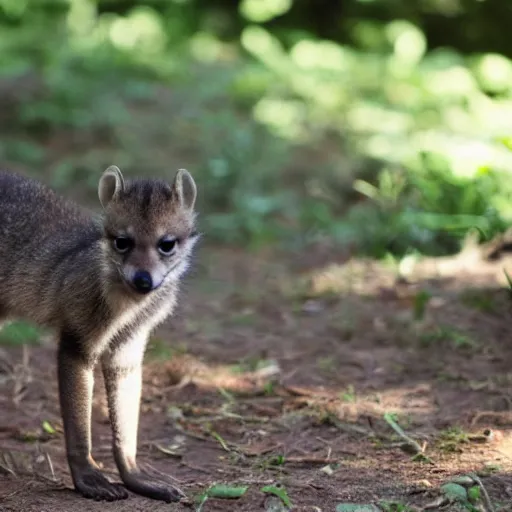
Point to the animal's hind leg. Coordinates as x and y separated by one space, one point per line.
75 389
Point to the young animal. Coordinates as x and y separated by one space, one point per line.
103 283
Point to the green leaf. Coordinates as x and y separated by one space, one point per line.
420 304
202 499
226 491
221 491
454 492
220 439
48 428
280 492
355 507
474 493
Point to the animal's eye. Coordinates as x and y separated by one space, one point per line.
123 244
166 246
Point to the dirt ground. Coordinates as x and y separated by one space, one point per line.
291 375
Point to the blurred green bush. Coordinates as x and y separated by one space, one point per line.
377 139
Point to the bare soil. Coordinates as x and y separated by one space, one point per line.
275 372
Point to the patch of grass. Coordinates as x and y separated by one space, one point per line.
326 364
269 388
448 335
481 300
162 350
452 440
349 395
421 300
274 461
277 460
243 318
489 469
394 506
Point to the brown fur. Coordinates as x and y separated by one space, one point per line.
59 267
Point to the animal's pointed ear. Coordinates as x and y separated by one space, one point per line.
184 189
111 185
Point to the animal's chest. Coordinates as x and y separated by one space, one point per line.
142 317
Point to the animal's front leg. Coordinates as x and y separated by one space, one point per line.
75 391
122 370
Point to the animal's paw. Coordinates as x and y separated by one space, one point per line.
91 484
155 486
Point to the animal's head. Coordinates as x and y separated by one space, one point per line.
149 227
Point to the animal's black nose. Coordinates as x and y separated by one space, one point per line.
142 281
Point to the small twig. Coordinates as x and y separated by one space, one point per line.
44 478
221 441
350 428
230 415
13 493
409 440
436 504
160 473
109 471
190 434
26 356
486 497
195 468
306 392
505 417
7 464
7 469
327 443
166 451
6 365
50 465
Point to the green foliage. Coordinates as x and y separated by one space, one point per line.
453 439
47 427
220 491
353 507
445 334
421 301
279 491
19 333
442 140
379 140
393 506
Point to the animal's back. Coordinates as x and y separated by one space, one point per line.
38 231
30 211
